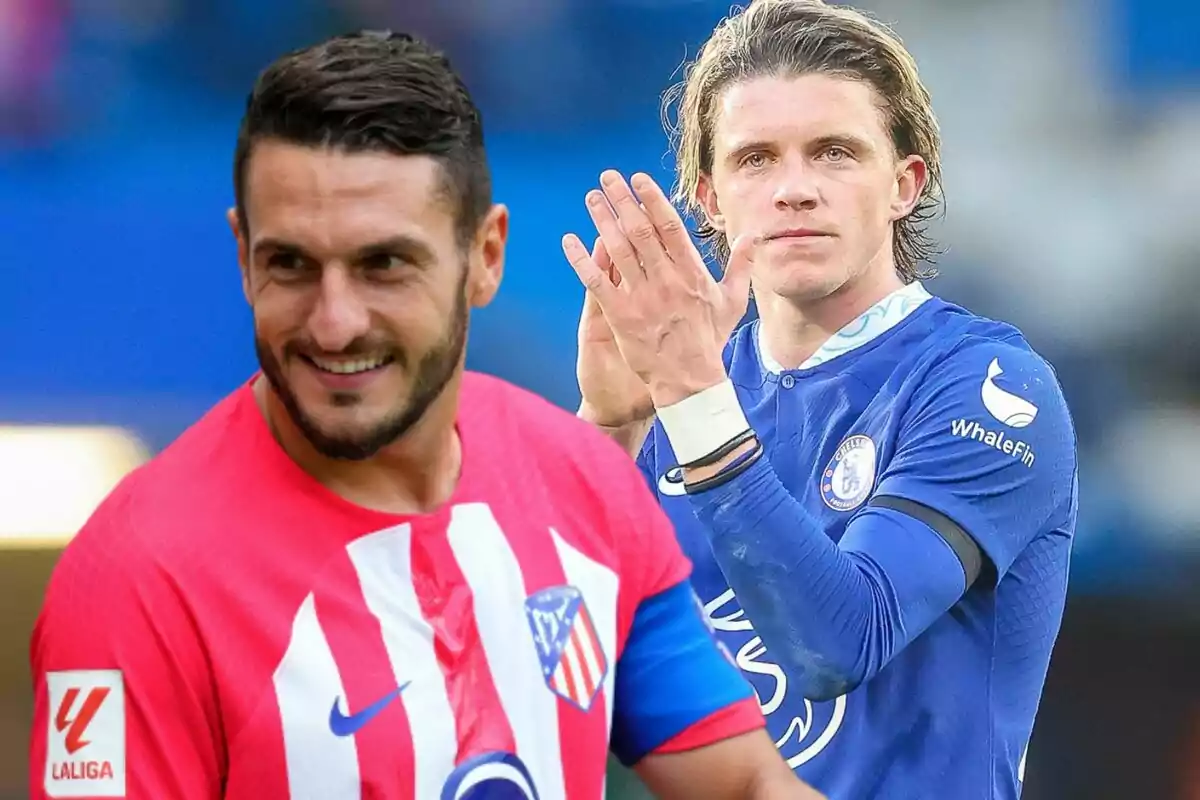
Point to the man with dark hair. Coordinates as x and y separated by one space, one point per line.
367 572
878 488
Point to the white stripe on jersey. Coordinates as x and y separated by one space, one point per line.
599 585
560 678
383 561
319 764
494 575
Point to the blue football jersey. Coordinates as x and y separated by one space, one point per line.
921 400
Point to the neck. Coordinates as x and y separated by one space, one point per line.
413 475
793 330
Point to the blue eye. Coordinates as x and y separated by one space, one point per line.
754 160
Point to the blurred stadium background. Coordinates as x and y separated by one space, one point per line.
1072 133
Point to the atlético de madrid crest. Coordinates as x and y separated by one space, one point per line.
567 644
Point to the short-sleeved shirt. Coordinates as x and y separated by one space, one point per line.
226 627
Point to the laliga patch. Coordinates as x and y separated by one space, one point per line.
850 475
86 752
568 647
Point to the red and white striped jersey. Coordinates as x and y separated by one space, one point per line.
225 627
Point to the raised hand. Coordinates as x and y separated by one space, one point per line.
613 394
669 318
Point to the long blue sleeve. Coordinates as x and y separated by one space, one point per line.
832 614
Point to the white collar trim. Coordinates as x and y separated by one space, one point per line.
868 326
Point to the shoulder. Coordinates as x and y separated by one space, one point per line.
991 362
112 556
985 438
157 506
978 385
948 326
514 419
986 400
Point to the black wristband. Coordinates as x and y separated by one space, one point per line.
722 478
722 451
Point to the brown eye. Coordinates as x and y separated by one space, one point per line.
284 262
382 262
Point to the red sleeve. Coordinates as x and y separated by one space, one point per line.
123 701
658 561
734 720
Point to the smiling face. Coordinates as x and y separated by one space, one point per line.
359 283
807 163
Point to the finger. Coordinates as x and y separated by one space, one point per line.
591 306
593 278
591 311
621 252
604 261
634 220
666 221
736 280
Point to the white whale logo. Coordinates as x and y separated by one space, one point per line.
1013 411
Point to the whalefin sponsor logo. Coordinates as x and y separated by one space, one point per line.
970 429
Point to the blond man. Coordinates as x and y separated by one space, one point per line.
877 488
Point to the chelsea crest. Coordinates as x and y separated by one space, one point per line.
850 475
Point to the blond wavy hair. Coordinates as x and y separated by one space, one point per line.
798 37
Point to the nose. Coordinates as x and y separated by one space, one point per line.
340 316
797 188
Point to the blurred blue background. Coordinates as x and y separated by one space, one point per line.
1072 155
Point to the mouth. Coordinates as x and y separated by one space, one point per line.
798 233
349 366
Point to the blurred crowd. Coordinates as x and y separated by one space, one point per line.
1072 172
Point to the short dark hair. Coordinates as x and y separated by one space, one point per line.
373 91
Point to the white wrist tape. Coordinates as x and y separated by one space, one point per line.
698 425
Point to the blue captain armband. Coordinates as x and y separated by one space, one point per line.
670 676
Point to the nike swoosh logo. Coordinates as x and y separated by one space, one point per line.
670 483
343 725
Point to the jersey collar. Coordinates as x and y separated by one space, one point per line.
866 327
